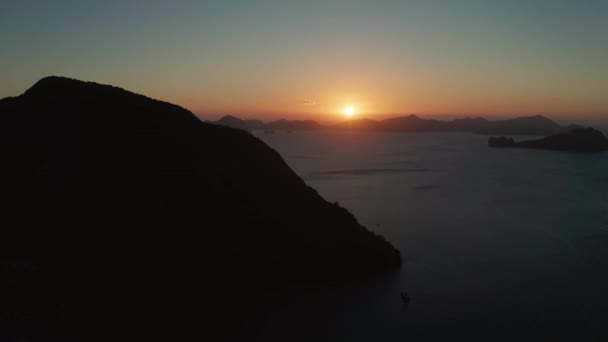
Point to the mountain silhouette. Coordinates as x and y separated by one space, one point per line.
282 124
234 122
127 215
293 125
530 125
527 125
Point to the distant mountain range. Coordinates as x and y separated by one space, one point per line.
527 125
283 124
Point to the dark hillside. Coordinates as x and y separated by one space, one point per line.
123 210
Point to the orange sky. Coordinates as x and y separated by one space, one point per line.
308 59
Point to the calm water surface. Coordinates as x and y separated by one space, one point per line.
498 244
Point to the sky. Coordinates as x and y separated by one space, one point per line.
309 59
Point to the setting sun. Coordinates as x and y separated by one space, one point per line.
349 111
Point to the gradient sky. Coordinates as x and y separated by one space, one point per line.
308 59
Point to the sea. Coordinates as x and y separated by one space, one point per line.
498 244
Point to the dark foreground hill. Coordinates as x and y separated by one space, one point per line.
575 140
127 217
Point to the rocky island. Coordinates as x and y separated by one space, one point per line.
575 140
124 212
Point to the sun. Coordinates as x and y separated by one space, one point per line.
349 111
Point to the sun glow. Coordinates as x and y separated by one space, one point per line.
349 111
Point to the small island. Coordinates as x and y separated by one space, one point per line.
575 140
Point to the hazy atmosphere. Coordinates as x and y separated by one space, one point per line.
309 59
306 170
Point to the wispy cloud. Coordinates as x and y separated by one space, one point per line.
309 103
